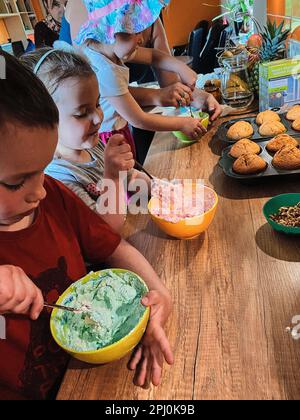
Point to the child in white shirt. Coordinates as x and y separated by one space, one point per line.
109 38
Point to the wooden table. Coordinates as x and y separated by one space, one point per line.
235 290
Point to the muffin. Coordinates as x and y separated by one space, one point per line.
214 87
294 113
243 147
267 116
280 141
296 125
288 158
240 130
213 83
249 164
272 128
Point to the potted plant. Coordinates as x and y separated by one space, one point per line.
238 13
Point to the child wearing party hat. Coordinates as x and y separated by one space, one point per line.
110 37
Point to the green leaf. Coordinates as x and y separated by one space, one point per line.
220 16
234 7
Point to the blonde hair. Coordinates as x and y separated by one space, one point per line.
57 67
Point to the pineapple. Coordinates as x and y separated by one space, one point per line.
273 48
254 78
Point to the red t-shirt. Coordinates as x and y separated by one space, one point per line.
52 252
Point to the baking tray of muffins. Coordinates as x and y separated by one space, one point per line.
247 160
265 125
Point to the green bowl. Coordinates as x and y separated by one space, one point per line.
185 139
273 206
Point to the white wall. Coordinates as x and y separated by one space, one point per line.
260 11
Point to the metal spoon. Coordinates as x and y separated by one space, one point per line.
152 177
66 308
141 168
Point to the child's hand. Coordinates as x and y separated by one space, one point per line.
18 294
175 95
207 102
118 157
147 360
213 107
192 127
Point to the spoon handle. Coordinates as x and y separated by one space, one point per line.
64 308
141 168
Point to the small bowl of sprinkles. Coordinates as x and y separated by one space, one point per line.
283 213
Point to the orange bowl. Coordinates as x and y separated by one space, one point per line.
189 228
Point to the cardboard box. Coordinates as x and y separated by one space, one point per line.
279 84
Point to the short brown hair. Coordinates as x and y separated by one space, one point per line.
24 98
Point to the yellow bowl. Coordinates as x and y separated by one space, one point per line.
114 351
184 138
189 228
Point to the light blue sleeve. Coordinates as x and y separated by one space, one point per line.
113 80
61 172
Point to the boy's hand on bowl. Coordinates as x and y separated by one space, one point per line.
117 157
18 294
147 360
192 127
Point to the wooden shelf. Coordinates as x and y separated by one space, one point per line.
8 15
17 20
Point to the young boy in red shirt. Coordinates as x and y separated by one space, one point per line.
46 235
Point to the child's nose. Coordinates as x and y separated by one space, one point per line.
37 193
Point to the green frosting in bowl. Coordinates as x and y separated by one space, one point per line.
114 301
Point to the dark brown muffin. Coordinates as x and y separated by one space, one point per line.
287 158
249 164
